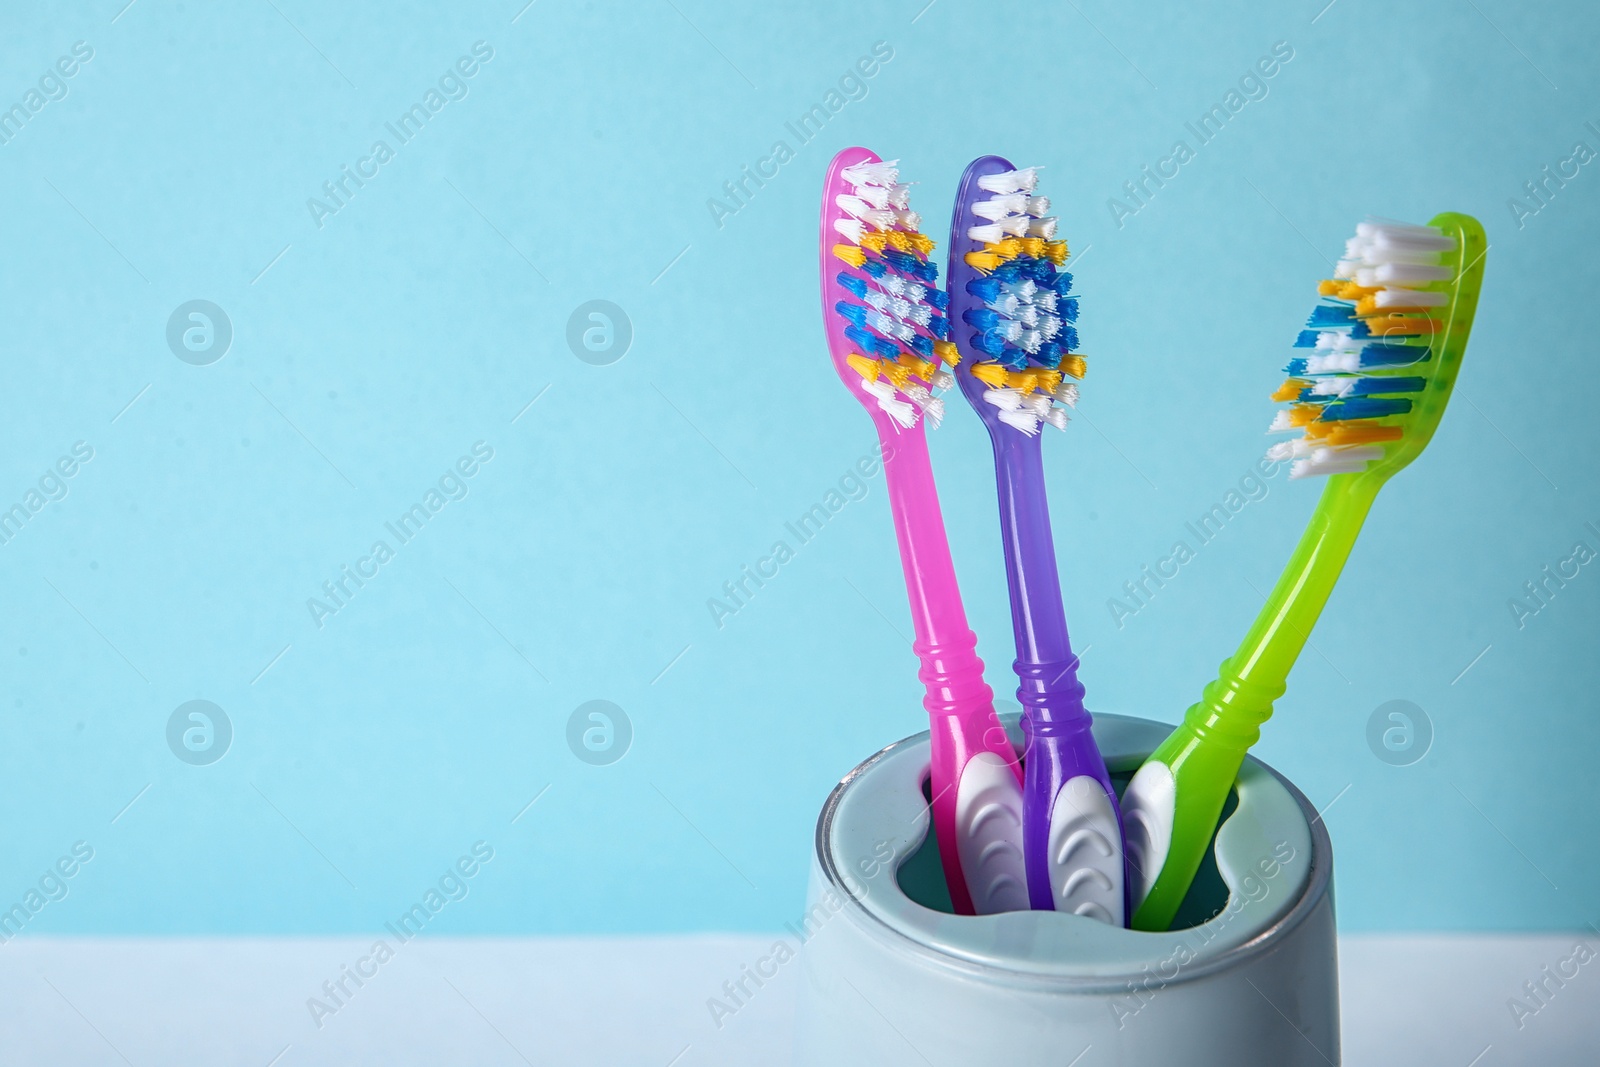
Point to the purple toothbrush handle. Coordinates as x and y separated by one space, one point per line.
1060 746
1072 840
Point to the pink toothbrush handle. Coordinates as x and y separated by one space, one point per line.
976 781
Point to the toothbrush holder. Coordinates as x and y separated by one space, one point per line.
1248 974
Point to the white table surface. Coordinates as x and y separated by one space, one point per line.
1416 1001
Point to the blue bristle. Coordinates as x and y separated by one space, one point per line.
991 344
1360 332
938 298
875 267
1307 339
1365 407
856 313
1378 354
1049 353
1014 357
911 266
939 326
1381 386
856 285
1009 271
985 289
981 318
922 346
1296 368
1069 337
1331 315
1069 308
871 343
1062 284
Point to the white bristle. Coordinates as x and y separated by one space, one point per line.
1006 304
1412 298
852 205
1010 181
1280 423
900 411
989 234
900 197
909 220
1299 448
1050 326
883 172
895 285
942 379
1038 206
999 207
920 314
879 300
1030 341
1022 290
1004 399
917 394
1057 417
1346 454
850 229
1016 227
1045 228
1045 301
875 195
1026 422
1067 393
1340 386
1028 315
1039 405
934 410
1400 274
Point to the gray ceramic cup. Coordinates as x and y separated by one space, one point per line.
891 977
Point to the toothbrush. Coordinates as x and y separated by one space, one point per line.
888 337
1005 288
1382 351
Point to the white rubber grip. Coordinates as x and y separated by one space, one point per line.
1086 868
1148 811
989 835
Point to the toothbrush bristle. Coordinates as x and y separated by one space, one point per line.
1023 319
899 335
1367 352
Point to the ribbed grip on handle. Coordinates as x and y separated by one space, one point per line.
952 674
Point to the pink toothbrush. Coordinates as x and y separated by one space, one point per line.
888 337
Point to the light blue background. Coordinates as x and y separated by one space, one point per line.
428 312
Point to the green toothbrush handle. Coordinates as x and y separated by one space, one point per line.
1203 755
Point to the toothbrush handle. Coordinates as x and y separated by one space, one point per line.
976 782
1206 751
1061 753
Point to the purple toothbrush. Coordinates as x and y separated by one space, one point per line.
1012 313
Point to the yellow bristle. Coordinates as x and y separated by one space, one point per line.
898 376
947 351
867 368
1304 414
1056 251
850 254
991 374
1033 246
899 239
1353 432
982 262
1049 380
1290 390
1010 248
921 242
873 242
916 365
1343 290
1073 365
1387 325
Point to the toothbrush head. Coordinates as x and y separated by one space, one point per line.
1381 350
881 302
1011 308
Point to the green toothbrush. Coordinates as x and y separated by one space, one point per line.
1384 346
